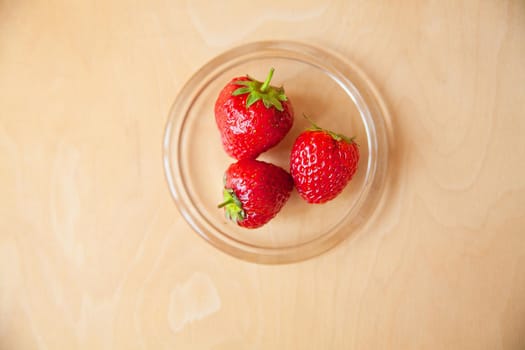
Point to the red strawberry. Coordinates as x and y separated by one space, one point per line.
254 192
252 116
322 163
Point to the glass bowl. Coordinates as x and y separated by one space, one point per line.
324 86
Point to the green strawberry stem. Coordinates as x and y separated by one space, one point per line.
310 120
335 136
266 83
271 96
232 205
226 202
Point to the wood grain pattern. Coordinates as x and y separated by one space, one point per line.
94 255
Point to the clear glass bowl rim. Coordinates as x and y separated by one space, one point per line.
350 78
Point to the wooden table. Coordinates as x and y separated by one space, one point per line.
94 254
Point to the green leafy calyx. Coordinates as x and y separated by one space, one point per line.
232 206
335 136
271 96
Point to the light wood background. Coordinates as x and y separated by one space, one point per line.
94 254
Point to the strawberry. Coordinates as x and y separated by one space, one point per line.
322 163
252 116
254 192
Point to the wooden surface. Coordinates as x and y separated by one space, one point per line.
94 254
